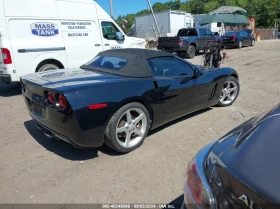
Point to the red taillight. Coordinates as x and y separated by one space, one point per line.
50 98
180 41
6 56
195 184
62 101
234 38
96 106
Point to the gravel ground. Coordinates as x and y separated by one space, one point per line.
34 169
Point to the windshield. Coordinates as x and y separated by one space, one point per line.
111 63
187 32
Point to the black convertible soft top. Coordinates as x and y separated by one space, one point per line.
136 66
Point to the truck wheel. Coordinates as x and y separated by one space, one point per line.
47 67
191 52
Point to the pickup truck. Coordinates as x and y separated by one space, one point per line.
188 41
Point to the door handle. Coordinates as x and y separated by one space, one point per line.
106 44
97 45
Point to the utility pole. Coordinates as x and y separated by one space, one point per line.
111 9
275 30
154 17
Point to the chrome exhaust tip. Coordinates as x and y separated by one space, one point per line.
39 127
49 134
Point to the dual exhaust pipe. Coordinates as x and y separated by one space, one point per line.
50 135
47 133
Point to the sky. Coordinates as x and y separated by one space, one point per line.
123 7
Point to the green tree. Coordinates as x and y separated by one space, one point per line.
173 5
143 12
210 6
185 6
157 7
197 6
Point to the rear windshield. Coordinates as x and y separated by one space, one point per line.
111 63
231 33
187 32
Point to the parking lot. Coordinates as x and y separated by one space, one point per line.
35 169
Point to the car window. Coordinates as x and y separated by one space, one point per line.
202 32
109 30
182 32
187 32
208 32
111 63
170 66
244 33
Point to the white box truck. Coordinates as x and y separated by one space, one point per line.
39 35
169 22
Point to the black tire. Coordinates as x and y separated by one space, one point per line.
240 44
47 67
204 50
253 42
232 79
110 131
191 51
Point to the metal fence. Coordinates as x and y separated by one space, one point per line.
266 34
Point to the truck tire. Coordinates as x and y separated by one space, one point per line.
191 51
47 67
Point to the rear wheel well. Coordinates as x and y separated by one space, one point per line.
143 102
193 44
235 76
149 108
49 61
146 104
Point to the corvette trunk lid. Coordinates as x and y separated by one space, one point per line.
61 80
67 77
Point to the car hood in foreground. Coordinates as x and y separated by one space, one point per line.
246 161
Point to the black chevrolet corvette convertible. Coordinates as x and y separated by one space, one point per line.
240 170
118 96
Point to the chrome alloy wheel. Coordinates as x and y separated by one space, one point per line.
229 92
131 127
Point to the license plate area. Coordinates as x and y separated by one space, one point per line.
38 109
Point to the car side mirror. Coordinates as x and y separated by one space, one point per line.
197 73
119 36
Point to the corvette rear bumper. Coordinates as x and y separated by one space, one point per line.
59 125
53 134
73 136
